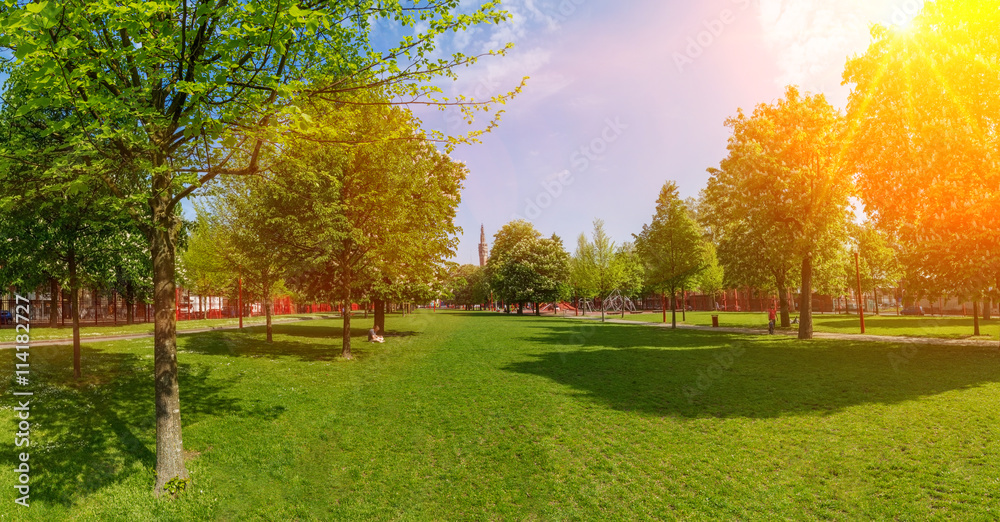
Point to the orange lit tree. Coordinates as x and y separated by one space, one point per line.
924 133
779 199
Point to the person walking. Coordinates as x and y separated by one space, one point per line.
771 316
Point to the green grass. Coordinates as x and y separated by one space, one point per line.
487 416
948 327
40 330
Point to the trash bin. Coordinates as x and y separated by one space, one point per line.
715 321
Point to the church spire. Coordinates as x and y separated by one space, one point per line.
482 245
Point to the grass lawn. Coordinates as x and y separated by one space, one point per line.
475 415
951 327
40 330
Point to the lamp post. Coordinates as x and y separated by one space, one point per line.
861 310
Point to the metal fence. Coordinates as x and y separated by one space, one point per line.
101 309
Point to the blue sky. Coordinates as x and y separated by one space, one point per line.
624 96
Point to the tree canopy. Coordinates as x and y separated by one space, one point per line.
779 199
923 136
671 246
525 267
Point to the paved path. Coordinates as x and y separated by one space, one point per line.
816 335
101 339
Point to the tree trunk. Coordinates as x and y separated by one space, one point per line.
520 308
684 305
805 309
346 351
53 302
975 318
163 247
673 308
379 310
537 310
74 300
268 310
129 303
779 279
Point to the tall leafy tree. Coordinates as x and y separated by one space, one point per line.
356 218
246 236
924 134
631 269
57 229
597 266
710 279
779 199
467 285
581 275
671 247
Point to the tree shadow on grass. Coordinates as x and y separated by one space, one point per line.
89 434
240 344
913 324
688 373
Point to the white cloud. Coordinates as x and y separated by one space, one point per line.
812 39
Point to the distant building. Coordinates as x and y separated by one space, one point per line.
483 252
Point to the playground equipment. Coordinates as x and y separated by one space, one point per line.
618 303
587 305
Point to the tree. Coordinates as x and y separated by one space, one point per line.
202 266
66 235
524 267
780 195
630 266
924 125
671 247
597 267
246 232
581 278
710 279
370 218
877 259
467 285
168 97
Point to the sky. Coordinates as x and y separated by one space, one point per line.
625 95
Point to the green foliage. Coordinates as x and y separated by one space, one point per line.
371 220
878 258
527 268
925 118
176 486
468 285
779 199
631 270
581 274
710 279
671 246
